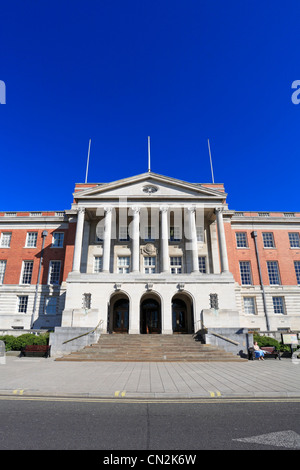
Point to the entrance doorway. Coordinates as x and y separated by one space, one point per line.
182 315
121 316
150 316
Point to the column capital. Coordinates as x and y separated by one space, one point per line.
164 208
80 210
108 209
135 209
219 210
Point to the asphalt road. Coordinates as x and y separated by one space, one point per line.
70 424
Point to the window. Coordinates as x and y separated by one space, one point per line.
31 239
200 234
97 264
149 234
278 305
176 264
202 264
149 264
123 264
87 300
2 270
241 240
51 305
5 240
175 234
245 270
54 272
22 303
27 272
297 270
268 240
273 272
249 305
58 240
294 240
123 234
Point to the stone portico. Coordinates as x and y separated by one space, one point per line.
149 252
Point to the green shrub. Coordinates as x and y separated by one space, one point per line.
16 343
268 341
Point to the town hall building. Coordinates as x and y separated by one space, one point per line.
150 254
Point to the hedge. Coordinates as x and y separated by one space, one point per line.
16 343
268 341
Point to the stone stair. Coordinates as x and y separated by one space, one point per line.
150 348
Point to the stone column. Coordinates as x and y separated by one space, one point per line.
78 240
107 239
193 238
222 240
164 241
135 236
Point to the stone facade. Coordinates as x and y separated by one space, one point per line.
149 254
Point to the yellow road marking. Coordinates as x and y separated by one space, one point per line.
154 400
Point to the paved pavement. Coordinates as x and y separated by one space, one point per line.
185 380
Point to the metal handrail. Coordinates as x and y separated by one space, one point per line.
84 334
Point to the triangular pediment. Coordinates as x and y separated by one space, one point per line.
149 185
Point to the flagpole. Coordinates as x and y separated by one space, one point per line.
149 166
211 166
88 159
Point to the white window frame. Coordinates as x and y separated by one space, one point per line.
97 264
240 240
149 264
252 306
52 274
297 270
176 264
60 239
26 272
272 273
22 303
244 272
5 239
268 240
296 242
31 239
2 270
281 305
123 264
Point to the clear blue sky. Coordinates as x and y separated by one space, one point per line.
180 71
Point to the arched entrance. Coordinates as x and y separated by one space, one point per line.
119 308
182 314
150 315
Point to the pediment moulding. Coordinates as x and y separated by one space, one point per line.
149 186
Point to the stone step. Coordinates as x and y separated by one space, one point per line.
150 348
